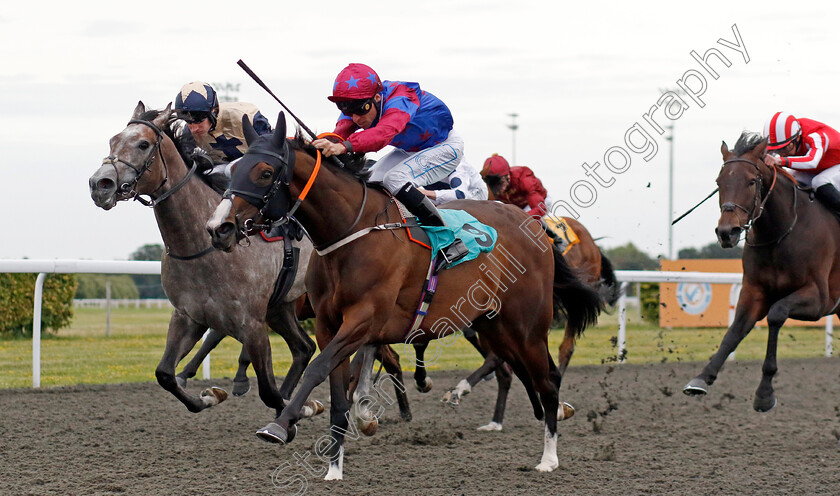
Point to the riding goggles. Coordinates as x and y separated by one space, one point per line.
195 117
355 107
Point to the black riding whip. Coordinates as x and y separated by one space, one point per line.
259 81
695 206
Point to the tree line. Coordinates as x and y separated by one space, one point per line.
16 290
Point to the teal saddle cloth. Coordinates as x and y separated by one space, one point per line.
476 236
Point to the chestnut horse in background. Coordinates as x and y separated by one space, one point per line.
365 292
791 256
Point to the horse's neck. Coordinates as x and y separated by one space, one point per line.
181 216
333 203
781 216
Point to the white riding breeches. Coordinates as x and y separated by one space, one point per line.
827 176
419 168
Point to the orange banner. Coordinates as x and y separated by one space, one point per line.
701 304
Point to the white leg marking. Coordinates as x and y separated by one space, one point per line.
492 426
549 458
463 388
336 471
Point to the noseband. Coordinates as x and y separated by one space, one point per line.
758 204
131 189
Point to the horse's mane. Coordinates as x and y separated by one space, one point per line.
354 163
151 115
747 142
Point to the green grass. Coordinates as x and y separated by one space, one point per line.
82 354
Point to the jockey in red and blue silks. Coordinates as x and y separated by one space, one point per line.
810 149
416 123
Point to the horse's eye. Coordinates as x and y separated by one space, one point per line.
144 145
752 182
266 174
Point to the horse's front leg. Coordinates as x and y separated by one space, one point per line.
255 342
283 320
750 309
348 339
339 419
362 370
805 302
454 395
241 385
181 337
189 370
421 380
391 363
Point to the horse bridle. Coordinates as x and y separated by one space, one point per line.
759 204
130 188
249 225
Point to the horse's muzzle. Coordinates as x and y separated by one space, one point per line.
103 188
223 236
728 237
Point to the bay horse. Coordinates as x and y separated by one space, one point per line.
204 285
791 257
364 288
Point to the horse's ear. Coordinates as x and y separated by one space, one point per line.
279 136
163 118
760 150
248 128
139 109
724 150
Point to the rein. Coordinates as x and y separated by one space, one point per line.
761 202
112 160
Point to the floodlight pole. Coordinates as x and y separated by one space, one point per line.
670 139
513 126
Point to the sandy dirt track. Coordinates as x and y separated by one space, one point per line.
634 433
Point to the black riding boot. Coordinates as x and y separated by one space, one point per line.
427 214
829 196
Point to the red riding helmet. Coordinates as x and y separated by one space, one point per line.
780 130
496 165
355 82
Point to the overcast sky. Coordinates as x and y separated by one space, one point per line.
578 74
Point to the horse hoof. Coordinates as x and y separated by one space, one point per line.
492 426
213 396
368 427
565 411
312 408
546 466
241 388
764 404
275 433
425 387
182 381
695 387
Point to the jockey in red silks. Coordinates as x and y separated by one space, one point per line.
417 124
810 149
516 185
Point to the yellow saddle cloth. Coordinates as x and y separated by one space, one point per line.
567 236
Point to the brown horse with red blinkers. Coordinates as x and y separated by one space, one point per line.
791 256
365 292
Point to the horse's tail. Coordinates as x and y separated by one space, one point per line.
610 289
580 304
